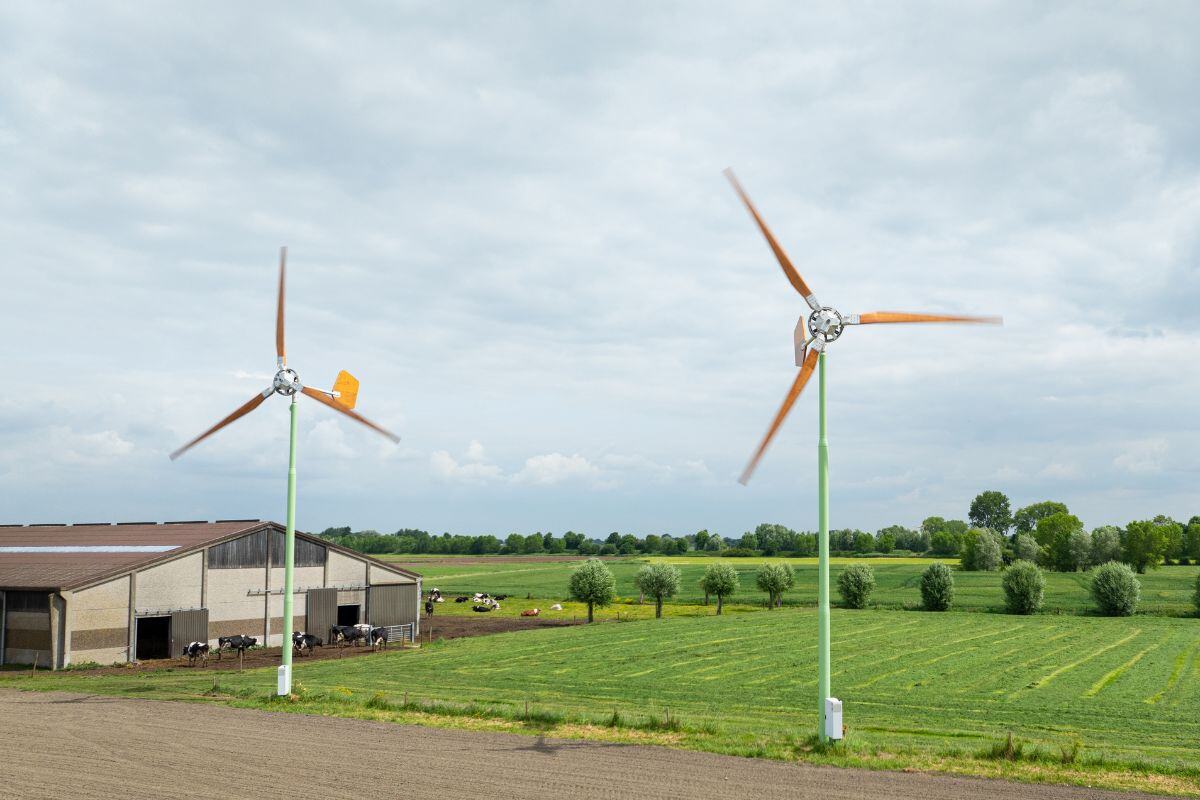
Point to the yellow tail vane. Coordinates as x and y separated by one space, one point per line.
346 386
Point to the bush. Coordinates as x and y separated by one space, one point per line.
937 587
1115 589
855 584
1196 597
1024 587
738 552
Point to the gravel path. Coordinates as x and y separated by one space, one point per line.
57 745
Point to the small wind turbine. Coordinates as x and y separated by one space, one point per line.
287 383
813 335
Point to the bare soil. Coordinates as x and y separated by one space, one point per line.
445 627
55 745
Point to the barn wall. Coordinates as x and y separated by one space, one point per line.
173 585
305 578
230 609
346 570
97 623
380 576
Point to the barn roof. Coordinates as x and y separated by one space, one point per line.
72 556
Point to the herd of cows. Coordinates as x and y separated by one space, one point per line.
302 643
481 602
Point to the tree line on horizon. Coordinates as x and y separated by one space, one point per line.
992 535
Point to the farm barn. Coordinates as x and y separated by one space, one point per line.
131 591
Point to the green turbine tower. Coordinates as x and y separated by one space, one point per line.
814 333
287 383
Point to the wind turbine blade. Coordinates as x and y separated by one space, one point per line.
806 371
321 397
279 350
251 404
792 274
877 317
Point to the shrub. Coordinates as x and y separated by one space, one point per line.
775 579
721 580
1196 597
592 583
1024 586
855 584
659 581
1025 548
980 551
1115 589
937 587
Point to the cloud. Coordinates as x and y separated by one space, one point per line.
474 470
555 468
1146 457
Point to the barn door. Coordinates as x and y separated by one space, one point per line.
392 605
320 612
187 627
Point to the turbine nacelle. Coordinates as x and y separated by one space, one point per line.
286 382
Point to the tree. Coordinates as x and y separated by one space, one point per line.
855 585
721 580
863 542
990 510
1192 540
944 543
1174 533
775 579
1025 548
1106 544
1024 586
660 581
572 540
513 543
937 587
885 543
592 583
1079 548
981 550
714 544
701 539
1144 546
1026 519
1054 534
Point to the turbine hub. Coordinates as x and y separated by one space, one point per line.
286 382
826 323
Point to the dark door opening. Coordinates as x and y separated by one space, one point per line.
153 638
348 615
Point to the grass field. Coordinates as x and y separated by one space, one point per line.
932 690
1166 591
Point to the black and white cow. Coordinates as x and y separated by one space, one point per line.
196 651
435 595
462 598
239 643
429 608
305 642
379 638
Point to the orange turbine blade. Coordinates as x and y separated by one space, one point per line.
251 404
784 261
320 397
875 317
806 371
279 309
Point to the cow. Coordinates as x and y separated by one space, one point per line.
435 595
461 599
531 612
501 597
481 609
379 638
305 642
348 634
556 607
241 643
196 651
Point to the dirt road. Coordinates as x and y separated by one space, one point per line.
62 745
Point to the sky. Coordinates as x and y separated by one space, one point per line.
510 222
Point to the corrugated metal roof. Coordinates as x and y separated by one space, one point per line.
43 569
63 570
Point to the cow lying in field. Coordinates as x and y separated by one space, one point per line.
556 607
197 651
240 643
531 612
486 604
305 642
462 598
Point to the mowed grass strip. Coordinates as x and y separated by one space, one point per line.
749 680
1166 591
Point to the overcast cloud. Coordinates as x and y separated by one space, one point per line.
509 221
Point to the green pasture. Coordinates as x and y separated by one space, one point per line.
1166 591
918 687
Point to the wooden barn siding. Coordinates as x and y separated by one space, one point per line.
251 551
